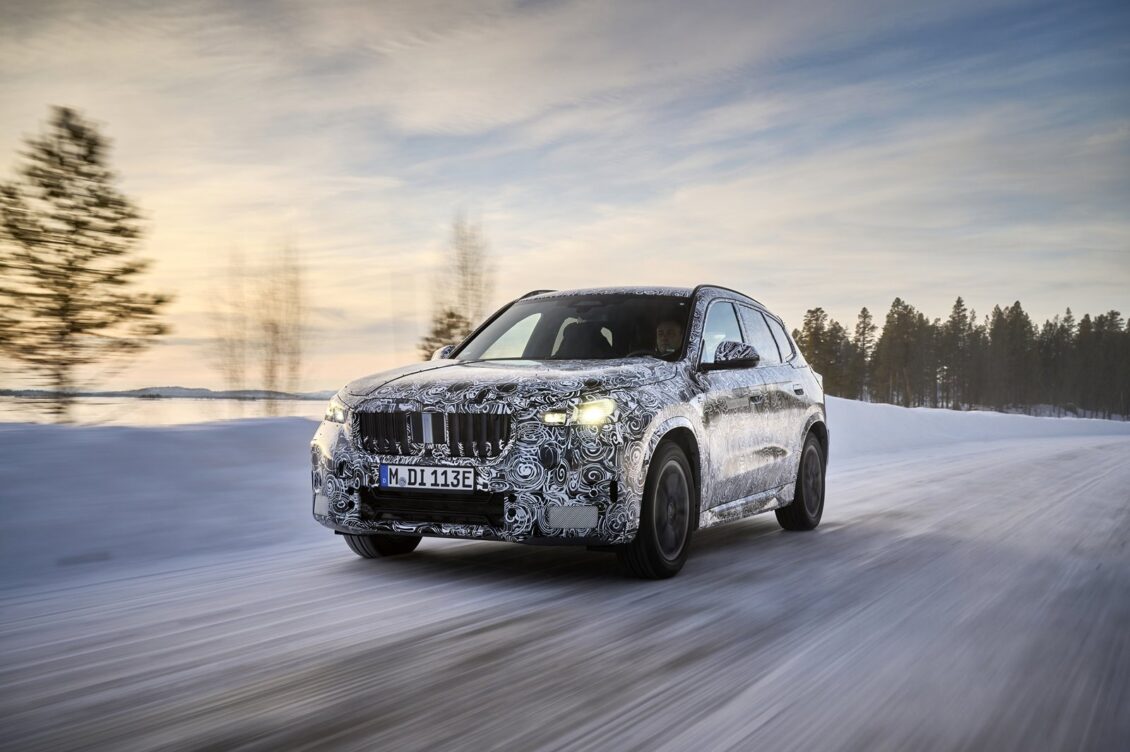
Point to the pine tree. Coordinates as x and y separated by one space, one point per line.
810 337
448 327
69 292
954 354
863 343
839 355
895 360
829 350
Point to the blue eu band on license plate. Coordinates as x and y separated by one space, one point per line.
425 478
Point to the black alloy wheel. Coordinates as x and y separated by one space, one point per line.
663 540
807 506
378 546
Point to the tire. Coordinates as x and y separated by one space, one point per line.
378 546
807 506
664 537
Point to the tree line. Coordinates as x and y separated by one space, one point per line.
1003 361
72 295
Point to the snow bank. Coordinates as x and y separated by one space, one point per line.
862 429
78 500
82 498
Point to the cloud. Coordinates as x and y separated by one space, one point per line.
813 153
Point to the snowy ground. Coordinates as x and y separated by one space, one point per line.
968 588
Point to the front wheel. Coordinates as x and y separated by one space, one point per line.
377 546
807 506
663 540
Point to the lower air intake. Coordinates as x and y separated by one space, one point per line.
571 518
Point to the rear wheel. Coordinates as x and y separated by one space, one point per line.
663 540
376 546
807 507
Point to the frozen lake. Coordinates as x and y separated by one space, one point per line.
165 411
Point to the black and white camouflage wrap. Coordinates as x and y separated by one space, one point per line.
545 466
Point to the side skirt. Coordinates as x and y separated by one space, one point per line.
748 506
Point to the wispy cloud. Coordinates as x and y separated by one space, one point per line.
811 153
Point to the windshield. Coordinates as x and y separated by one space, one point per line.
584 327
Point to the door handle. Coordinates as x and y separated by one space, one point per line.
798 389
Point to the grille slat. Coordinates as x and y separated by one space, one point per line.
396 432
467 428
453 440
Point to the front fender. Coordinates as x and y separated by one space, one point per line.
659 429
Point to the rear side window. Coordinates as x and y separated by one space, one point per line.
757 334
721 326
783 340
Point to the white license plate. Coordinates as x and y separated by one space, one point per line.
420 477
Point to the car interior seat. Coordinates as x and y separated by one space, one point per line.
582 339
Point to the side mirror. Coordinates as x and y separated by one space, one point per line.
443 353
730 354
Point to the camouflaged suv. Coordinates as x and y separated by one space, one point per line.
621 419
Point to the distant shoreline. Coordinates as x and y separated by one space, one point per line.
170 392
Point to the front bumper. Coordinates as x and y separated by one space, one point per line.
550 485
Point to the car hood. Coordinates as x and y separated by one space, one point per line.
525 382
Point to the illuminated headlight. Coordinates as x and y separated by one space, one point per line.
554 417
594 413
336 411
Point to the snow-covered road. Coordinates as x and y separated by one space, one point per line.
959 594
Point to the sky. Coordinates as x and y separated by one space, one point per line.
832 153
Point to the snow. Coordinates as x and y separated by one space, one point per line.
165 587
79 500
865 429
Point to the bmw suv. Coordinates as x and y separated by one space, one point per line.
620 419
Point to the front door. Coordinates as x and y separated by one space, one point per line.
730 399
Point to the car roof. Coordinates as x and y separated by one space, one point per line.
680 292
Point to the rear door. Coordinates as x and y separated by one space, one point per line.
771 414
794 398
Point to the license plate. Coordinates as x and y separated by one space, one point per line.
419 477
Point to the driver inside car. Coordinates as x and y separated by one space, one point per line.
668 337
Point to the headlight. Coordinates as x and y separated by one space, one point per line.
594 413
336 411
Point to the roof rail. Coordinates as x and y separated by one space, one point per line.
532 293
727 289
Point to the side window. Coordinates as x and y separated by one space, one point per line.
512 344
783 341
721 325
757 334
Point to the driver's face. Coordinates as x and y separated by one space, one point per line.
668 337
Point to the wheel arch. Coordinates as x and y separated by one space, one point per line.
818 428
681 434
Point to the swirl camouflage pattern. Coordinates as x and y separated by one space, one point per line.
560 449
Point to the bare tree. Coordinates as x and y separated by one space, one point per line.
259 322
228 316
279 321
463 291
68 290
473 276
